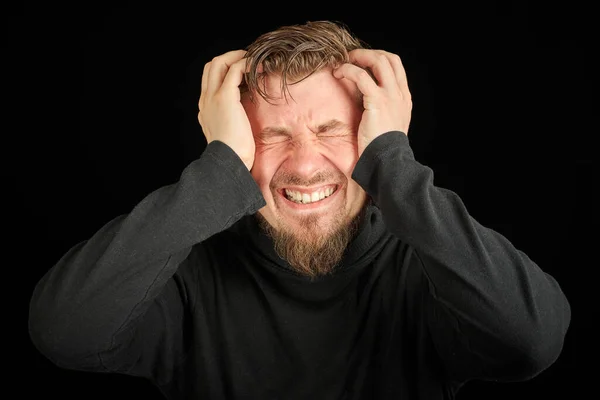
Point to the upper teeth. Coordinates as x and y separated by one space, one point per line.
308 198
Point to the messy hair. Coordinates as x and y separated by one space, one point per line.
295 52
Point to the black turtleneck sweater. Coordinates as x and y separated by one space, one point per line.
186 291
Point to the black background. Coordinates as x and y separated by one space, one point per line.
100 109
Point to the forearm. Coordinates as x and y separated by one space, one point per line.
501 299
103 284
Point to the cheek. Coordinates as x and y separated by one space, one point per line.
265 165
344 153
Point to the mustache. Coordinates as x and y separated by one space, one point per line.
285 178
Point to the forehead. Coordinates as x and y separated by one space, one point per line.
313 100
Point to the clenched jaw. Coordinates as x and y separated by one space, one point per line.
303 198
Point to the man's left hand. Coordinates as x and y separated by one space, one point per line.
386 100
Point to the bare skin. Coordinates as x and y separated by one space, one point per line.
221 113
302 153
387 102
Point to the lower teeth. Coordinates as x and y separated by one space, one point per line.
301 202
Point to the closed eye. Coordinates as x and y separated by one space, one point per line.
330 129
334 134
274 139
333 128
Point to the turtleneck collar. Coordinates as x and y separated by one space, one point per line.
367 243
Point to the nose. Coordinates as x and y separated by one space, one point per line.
305 159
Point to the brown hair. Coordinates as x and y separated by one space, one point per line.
297 51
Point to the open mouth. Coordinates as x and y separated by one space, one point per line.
309 197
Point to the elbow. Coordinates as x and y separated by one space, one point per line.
531 347
60 341
520 361
62 348
546 353
48 338
536 360
542 345
542 339
43 340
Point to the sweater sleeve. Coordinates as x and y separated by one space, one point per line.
492 312
101 286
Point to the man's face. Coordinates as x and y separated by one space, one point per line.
306 150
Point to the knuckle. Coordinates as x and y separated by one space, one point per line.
363 74
381 58
238 64
218 61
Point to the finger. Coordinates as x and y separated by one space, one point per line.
376 62
253 63
205 73
235 74
219 67
399 71
359 76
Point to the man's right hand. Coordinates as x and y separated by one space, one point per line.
221 114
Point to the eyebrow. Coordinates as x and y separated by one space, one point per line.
331 125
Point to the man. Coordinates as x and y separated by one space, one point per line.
305 255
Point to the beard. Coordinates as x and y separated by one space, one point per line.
310 251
